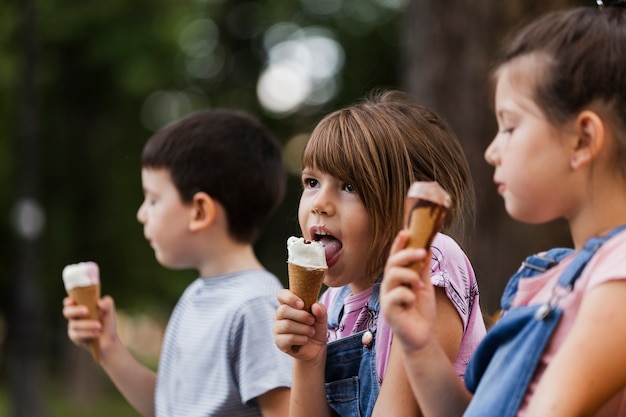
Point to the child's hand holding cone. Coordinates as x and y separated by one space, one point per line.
82 283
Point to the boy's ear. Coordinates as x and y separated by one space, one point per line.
590 132
203 211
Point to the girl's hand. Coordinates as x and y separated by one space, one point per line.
408 297
81 330
295 327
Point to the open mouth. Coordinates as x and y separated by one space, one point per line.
332 245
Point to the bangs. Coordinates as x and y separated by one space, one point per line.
328 151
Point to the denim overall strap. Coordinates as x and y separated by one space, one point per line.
335 310
575 268
533 265
503 365
351 377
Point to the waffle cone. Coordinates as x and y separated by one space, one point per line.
306 283
424 221
89 296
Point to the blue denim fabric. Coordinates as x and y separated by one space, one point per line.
505 361
351 377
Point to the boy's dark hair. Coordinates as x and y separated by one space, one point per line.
230 156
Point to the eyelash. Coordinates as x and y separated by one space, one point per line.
309 182
312 182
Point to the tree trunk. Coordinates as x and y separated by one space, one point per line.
448 54
25 318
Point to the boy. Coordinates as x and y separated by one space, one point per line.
210 181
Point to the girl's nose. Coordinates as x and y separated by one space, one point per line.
492 153
323 203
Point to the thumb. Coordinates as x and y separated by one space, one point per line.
106 307
321 322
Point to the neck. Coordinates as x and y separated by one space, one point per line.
229 257
603 212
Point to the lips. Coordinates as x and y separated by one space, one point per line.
332 245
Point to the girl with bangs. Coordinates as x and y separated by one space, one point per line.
357 167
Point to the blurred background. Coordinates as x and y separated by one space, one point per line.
84 84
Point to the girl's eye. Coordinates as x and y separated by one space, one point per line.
309 182
506 131
349 188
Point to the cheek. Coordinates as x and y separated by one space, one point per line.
303 211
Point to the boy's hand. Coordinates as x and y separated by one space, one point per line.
407 297
293 326
81 330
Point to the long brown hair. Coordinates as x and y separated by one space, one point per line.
380 146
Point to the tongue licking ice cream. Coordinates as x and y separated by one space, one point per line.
425 211
307 266
82 283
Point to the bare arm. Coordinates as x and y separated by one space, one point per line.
411 306
590 366
396 395
275 403
294 326
135 381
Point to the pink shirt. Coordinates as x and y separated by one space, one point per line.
608 264
451 270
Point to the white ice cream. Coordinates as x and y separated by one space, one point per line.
82 274
309 254
430 191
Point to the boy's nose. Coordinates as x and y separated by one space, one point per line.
140 213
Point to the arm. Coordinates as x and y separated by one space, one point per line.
396 395
294 326
418 315
590 366
275 403
135 381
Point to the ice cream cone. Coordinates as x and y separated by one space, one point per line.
306 283
425 212
89 296
307 266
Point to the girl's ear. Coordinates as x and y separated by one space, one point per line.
590 130
203 211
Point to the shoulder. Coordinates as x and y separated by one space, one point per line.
229 293
449 261
447 245
608 264
253 283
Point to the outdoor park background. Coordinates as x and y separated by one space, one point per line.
84 84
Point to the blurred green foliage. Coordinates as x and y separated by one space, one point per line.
96 63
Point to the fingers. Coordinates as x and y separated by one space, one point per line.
72 311
287 297
80 329
397 271
321 319
294 326
399 242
